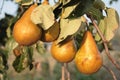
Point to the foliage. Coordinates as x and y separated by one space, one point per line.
73 17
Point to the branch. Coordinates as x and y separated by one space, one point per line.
67 71
63 71
1 6
111 72
105 44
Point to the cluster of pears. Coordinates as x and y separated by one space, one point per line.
26 33
87 59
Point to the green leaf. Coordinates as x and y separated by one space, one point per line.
10 25
24 2
24 60
10 44
81 8
69 27
95 13
1 63
78 39
99 4
68 10
57 9
71 3
3 60
109 24
44 16
40 47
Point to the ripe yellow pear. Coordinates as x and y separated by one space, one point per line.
25 32
88 59
64 52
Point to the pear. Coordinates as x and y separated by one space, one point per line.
25 32
63 52
88 59
52 33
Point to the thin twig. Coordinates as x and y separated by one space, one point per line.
63 71
105 44
110 71
1 6
67 72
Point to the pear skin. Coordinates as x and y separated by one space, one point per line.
88 59
25 32
65 52
52 33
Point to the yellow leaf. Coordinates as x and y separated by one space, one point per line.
44 16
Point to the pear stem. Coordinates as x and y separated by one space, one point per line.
104 43
110 71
